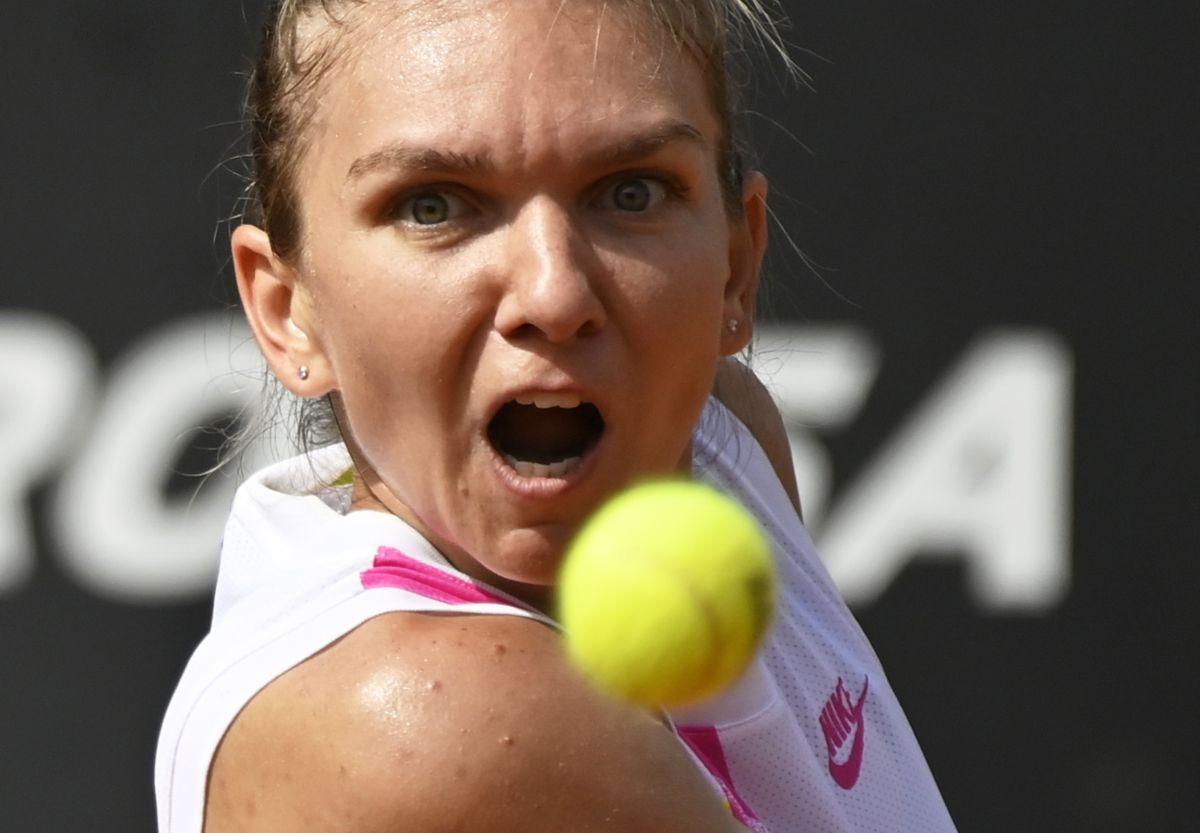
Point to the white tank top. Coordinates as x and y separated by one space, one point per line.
810 739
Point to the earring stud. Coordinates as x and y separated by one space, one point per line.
303 372
734 325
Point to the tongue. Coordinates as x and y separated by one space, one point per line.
543 435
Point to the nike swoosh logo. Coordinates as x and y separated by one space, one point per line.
840 719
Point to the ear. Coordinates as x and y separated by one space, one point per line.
279 313
747 245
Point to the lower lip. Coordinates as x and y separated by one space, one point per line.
544 487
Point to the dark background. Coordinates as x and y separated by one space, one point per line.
972 165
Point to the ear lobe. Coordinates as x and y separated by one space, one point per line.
747 246
276 308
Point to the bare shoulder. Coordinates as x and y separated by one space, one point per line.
444 723
741 391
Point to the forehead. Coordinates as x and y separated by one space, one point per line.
526 77
438 41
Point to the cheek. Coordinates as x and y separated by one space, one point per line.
376 320
678 293
396 348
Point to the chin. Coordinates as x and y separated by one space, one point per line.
529 555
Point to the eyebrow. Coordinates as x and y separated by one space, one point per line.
645 144
405 157
408 158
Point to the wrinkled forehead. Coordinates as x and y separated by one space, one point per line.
425 43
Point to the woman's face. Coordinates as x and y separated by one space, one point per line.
510 206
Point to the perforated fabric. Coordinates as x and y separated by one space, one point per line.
784 759
810 739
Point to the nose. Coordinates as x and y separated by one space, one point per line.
552 276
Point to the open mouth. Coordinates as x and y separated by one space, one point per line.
545 434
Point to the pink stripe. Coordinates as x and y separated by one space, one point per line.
395 569
706 743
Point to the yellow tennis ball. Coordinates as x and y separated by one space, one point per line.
665 593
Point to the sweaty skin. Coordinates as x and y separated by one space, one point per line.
469 236
451 723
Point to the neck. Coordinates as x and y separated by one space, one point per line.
371 494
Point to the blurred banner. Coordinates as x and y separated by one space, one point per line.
979 325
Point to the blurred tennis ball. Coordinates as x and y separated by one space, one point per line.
665 593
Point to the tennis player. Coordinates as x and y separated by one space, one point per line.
509 247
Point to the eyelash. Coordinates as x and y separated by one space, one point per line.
400 209
673 188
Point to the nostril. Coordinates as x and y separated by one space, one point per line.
554 278
555 325
560 309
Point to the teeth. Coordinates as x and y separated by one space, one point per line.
527 469
520 466
562 467
550 400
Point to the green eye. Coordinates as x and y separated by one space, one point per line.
632 195
429 210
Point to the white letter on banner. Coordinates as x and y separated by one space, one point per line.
46 395
981 470
121 535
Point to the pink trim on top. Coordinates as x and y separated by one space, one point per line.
706 743
393 568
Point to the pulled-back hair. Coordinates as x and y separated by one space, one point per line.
301 41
